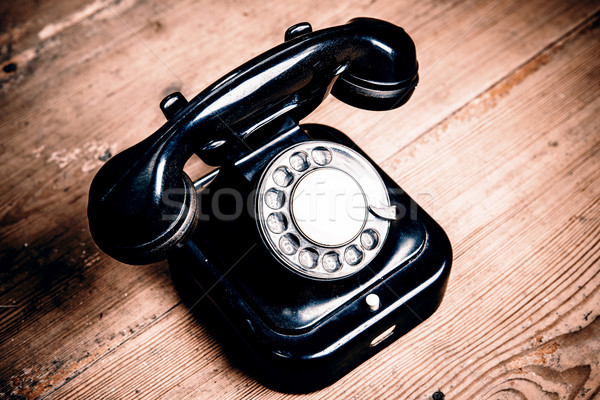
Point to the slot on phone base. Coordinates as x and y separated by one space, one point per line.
384 335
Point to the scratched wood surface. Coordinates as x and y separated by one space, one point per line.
500 143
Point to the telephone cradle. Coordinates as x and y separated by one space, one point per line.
311 256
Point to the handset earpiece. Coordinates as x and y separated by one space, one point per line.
142 204
385 76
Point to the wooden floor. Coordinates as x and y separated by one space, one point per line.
500 143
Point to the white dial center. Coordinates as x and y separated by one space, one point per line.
329 207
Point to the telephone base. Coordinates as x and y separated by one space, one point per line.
303 374
296 334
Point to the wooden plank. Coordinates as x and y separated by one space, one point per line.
520 317
93 83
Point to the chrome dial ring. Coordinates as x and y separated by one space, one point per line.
313 210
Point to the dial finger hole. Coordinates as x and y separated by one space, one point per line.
321 155
299 161
369 239
288 244
277 222
308 258
353 255
274 198
283 176
331 262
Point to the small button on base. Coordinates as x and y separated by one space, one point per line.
373 302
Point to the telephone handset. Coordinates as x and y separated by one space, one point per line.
313 255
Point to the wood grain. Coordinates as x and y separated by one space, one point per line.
499 143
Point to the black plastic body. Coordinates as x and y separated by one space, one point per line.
302 334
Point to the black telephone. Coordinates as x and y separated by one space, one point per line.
313 255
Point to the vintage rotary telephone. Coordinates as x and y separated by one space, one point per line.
312 254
